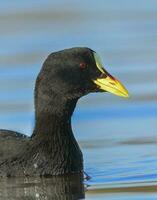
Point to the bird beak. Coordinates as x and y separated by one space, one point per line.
108 83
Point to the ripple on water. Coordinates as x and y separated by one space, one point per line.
118 137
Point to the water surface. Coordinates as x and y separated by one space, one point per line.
118 136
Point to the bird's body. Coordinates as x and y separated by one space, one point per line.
11 143
52 149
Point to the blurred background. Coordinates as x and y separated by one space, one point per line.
118 136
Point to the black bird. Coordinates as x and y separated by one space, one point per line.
52 149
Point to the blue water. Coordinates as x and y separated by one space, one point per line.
118 136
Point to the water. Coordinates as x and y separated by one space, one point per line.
118 136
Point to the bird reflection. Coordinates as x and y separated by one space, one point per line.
56 188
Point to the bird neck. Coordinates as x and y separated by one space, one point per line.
53 118
53 134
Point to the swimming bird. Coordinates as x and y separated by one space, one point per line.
65 76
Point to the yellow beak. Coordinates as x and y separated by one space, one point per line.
108 83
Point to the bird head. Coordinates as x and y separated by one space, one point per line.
73 73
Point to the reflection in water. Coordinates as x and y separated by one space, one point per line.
58 188
118 138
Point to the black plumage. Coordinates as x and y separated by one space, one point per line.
52 149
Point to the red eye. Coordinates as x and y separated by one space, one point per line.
83 65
